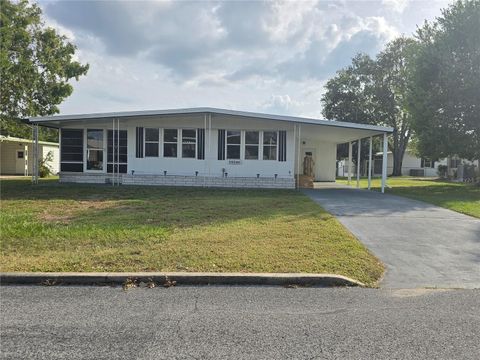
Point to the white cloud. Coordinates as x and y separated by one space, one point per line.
396 5
259 56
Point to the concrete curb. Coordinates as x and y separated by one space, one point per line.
181 278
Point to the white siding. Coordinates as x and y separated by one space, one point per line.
211 166
10 165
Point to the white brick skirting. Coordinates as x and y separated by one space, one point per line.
177 180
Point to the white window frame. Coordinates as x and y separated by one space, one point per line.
178 143
245 144
145 141
86 149
182 143
239 145
276 145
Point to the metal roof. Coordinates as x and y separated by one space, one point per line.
205 110
16 139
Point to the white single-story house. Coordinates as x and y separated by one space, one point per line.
16 155
199 147
413 165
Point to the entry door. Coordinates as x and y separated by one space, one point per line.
95 150
308 152
21 161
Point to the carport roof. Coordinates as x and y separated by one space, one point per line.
55 120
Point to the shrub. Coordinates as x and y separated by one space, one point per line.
43 168
442 171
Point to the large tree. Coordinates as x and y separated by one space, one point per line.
445 94
36 64
374 91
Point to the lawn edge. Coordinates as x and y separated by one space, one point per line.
180 278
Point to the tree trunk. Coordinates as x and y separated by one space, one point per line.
397 161
400 141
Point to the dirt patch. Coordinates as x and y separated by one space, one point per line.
67 213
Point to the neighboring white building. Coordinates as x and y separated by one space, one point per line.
16 155
199 147
415 166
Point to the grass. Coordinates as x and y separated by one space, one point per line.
60 227
460 197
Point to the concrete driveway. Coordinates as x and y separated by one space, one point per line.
422 245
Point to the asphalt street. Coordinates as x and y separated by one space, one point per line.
215 322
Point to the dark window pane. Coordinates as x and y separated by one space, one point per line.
170 150
72 157
251 137
71 167
189 136
67 141
20 154
251 152
269 153
151 135
72 133
188 150
270 137
170 135
233 151
233 137
151 149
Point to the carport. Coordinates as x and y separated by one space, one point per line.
321 138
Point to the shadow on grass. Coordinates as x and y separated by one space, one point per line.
105 205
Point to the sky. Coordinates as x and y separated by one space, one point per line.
272 57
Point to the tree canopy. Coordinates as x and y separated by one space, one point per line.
374 91
445 84
36 65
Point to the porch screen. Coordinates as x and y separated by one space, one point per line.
282 145
120 151
200 144
71 152
139 143
221 144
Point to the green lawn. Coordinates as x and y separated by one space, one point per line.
60 227
461 197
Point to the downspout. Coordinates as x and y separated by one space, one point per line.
113 152
204 152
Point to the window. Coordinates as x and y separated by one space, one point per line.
189 140
454 162
71 152
170 140
251 145
20 155
152 140
233 144
427 163
269 145
95 149
117 152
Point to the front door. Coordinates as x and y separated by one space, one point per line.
95 150
308 162
21 162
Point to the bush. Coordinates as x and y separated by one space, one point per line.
442 171
43 168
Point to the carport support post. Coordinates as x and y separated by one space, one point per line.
384 162
36 160
359 148
349 162
370 164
